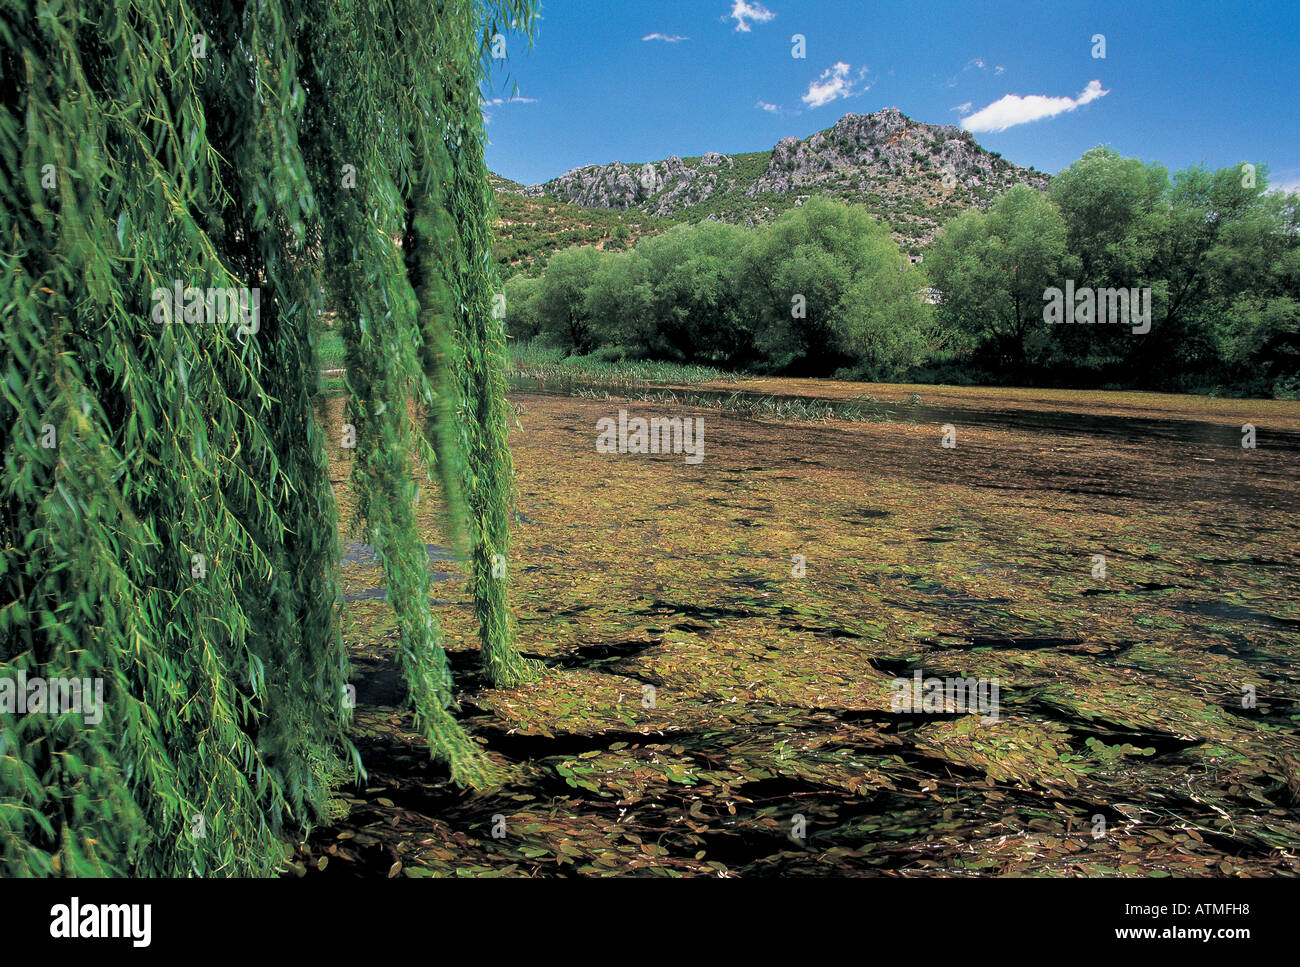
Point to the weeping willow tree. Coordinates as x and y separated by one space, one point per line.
169 530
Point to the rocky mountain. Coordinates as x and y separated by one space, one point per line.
913 176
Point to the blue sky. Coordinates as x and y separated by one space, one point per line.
1182 83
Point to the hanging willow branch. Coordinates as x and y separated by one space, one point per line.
167 527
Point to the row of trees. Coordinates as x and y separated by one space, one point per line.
823 286
824 289
1218 252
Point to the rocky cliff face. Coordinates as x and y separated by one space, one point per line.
885 144
661 188
912 175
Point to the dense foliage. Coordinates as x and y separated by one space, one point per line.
168 525
1219 253
823 286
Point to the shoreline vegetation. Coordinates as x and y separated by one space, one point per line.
1119 275
546 369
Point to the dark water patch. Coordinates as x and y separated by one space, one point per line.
822 632
701 612
381 683
1233 612
1244 649
378 683
953 601
1256 562
603 651
1136 589
886 720
900 667
1112 492
866 516
381 594
517 745
724 502
576 610
1280 713
1163 743
1110 732
1000 643
357 554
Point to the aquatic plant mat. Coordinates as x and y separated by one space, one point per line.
708 712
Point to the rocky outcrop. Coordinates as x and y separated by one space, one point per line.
660 188
887 143
910 173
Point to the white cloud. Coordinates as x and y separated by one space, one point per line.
498 101
962 108
999 71
666 38
1014 109
743 12
975 62
835 83
772 108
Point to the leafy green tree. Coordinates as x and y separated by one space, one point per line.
168 524
692 295
617 300
1256 268
992 269
561 301
1201 213
1114 213
831 288
523 317
1116 216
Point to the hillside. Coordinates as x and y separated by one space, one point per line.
529 229
912 176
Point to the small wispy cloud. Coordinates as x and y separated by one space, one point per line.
742 11
770 108
485 103
974 64
1013 109
962 108
999 71
835 83
666 38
